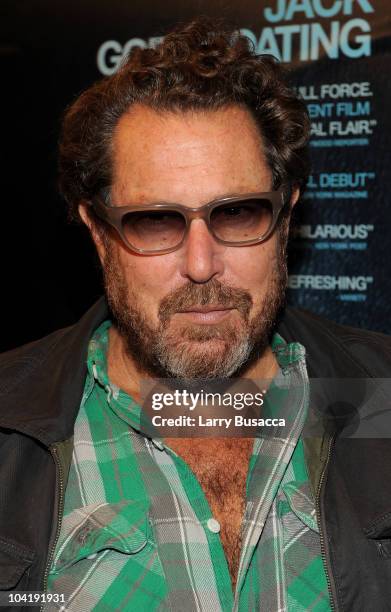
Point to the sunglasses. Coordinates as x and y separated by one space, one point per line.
162 228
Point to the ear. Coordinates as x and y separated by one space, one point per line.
95 230
295 196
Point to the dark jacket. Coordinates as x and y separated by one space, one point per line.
41 385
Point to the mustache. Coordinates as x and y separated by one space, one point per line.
212 292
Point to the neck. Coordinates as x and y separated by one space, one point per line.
124 372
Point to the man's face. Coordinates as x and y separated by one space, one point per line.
206 309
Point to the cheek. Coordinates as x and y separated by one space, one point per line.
147 278
255 266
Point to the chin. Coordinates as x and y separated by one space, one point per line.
210 350
221 333
204 359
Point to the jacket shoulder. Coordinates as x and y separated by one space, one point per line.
350 349
60 354
19 363
41 383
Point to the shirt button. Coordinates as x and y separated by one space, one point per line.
213 525
83 534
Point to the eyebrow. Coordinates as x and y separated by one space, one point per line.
170 203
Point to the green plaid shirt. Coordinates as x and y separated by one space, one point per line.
136 532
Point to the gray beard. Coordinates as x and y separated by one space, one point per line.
197 351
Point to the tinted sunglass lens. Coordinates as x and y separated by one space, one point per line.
242 221
154 230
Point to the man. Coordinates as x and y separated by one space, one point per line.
185 166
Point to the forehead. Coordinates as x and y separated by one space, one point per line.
188 157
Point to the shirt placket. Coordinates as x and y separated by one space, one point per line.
273 456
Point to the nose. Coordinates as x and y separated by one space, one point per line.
201 257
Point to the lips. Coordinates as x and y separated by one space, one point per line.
204 299
205 314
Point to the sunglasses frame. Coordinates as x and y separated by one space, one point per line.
113 216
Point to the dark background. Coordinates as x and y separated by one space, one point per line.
49 55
